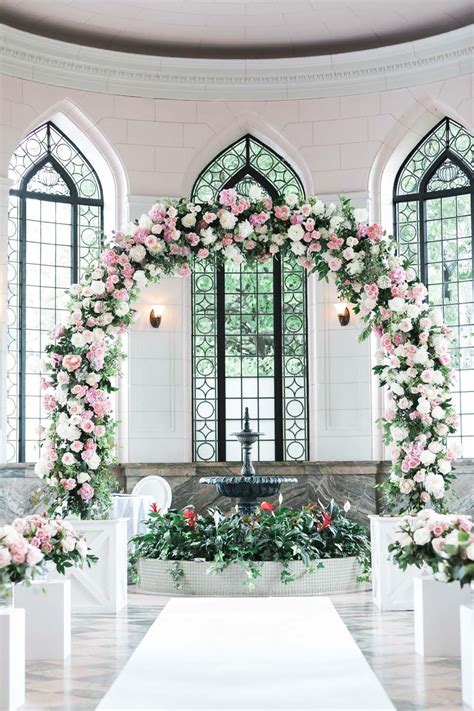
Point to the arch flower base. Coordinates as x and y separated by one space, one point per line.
333 242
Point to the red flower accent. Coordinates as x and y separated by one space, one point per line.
266 506
154 508
191 517
326 520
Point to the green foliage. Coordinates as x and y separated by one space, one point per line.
310 534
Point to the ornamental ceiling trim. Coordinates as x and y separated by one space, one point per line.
36 58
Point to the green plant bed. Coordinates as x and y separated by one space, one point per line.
297 543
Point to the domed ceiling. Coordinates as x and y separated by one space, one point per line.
237 29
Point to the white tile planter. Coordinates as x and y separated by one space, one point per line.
103 586
392 588
467 654
338 575
12 658
47 605
437 617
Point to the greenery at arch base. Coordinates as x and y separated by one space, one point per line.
334 242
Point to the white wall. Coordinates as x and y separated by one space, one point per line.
338 144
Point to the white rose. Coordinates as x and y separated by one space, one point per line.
94 461
398 433
255 193
423 406
141 278
335 221
422 536
406 486
68 544
188 220
427 457
292 199
227 220
77 340
296 233
421 356
92 379
438 413
397 389
122 308
444 466
137 253
298 248
82 477
245 229
234 254
145 221
98 287
41 468
404 539
208 236
361 215
396 304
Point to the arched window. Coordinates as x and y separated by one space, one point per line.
55 226
249 328
434 217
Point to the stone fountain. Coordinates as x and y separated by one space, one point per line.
248 487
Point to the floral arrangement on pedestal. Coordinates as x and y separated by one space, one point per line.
443 544
30 543
335 243
280 534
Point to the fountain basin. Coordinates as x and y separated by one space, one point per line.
248 489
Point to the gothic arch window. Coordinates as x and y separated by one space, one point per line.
249 328
55 226
434 219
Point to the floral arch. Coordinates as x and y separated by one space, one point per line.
333 242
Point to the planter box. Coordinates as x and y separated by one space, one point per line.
47 605
467 654
12 658
103 586
338 575
392 588
437 632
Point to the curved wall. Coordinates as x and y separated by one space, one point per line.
342 142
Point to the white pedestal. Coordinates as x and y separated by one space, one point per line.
103 586
467 654
12 658
47 604
392 588
437 617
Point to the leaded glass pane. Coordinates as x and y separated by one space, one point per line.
436 222
254 355
55 247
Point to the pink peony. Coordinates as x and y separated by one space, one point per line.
72 362
86 492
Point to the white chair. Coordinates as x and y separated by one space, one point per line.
157 487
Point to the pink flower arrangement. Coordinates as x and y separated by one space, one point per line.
335 243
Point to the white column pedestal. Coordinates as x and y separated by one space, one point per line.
392 588
437 632
467 654
12 658
47 604
103 586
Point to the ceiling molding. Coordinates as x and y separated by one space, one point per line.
49 61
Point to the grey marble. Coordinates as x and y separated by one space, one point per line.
353 481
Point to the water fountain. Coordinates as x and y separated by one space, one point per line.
248 487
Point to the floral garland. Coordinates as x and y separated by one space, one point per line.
442 543
333 242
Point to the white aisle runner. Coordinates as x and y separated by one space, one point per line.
247 654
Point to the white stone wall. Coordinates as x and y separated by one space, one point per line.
155 147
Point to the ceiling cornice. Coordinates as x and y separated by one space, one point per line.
29 56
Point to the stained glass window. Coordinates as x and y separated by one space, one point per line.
249 328
434 215
55 226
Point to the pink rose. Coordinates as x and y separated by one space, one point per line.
86 492
72 362
68 459
68 484
334 264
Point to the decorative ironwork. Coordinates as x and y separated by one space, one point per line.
55 226
249 328
434 223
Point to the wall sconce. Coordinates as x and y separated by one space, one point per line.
155 315
343 314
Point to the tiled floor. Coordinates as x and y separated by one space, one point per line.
103 643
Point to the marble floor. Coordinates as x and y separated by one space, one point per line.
102 644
